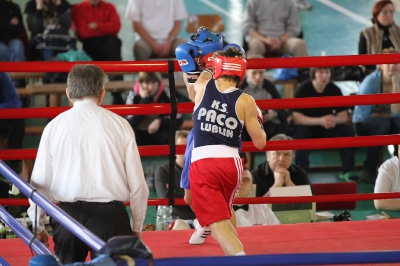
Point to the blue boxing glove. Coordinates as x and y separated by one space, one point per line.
186 53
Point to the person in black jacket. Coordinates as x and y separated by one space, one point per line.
278 170
151 129
11 31
47 17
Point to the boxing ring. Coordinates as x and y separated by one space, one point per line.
356 242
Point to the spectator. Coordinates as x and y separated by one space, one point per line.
150 129
388 180
11 31
89 162
161 177
383 119
278 170
47 17
275 121
13 130
156 32
256 85
327 122
97 25
251 214
271 26
383 34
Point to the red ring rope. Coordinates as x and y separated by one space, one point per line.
259 200
162 66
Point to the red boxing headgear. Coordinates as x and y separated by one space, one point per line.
229 66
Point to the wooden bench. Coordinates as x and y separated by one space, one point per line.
26 75
23 92
56 90
289 87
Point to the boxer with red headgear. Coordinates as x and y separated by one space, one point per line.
221 111
194 57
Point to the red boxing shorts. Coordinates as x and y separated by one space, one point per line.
213 183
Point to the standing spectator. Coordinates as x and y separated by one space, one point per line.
151 129
161 178
383 34
278 170
97 25
271 26
11 31
47 17
156 31
326 122
388 180
383 119
89 162
251 214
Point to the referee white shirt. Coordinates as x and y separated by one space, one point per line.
89 154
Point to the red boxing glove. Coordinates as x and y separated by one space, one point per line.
260 117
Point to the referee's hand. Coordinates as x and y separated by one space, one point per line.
43 237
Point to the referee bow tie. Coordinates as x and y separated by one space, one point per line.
243 207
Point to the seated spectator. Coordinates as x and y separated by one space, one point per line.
13 130
156 32
326 122
383 34
273 27
383 119
97 25
275 121
151 129
278 170
12 37
256 85
11 31
47 17
161 178
251 214
388 180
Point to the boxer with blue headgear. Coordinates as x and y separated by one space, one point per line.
193 56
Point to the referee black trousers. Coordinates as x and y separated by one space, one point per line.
103 219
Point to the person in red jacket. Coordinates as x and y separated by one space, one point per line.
97 25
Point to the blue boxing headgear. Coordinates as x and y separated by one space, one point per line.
206 41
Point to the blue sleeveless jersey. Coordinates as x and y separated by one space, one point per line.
215 119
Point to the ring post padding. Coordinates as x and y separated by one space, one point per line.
172 130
